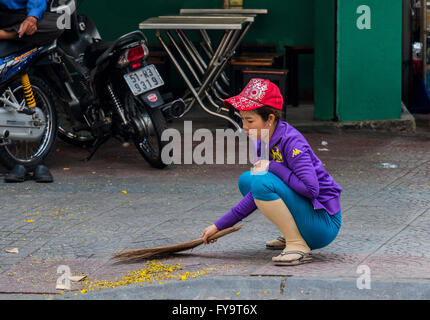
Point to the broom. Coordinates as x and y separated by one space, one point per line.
138 254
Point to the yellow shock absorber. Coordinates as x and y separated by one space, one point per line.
28 91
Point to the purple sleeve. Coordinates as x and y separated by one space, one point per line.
302 178
244 208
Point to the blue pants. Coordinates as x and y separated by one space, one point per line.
317 227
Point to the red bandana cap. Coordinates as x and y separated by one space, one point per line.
257 93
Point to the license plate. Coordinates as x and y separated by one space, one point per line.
144 80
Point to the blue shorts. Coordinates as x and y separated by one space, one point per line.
317 227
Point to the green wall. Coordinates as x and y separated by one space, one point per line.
356 76
289 22
369 61
325 59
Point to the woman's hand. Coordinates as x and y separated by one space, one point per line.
261 166
209 231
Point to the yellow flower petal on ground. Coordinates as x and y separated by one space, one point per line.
154 271
30 221
123 191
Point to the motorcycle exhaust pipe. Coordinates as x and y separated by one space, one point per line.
178 108
174 110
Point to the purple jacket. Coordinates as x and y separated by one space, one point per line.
294 162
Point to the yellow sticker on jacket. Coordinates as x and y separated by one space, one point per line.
276 155
296 152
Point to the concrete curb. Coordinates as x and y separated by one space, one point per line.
264 288
406 124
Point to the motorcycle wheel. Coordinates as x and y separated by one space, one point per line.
83 139
31 154
153 123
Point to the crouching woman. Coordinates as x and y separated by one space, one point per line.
292 189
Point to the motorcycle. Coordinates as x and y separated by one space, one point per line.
28 119
104 89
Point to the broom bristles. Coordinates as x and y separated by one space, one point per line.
138 254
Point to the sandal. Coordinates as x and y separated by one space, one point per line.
278 243
305 258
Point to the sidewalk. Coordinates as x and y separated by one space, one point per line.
117 202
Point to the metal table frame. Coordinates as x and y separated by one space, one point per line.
207 47
235 28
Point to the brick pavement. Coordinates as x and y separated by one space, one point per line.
84 217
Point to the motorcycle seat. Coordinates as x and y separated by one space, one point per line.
7 48
94 51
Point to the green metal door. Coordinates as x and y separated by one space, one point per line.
325 59
369 59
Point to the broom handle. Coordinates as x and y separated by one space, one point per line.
192 244
219 234
224 232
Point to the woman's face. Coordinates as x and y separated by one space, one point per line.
253 121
